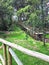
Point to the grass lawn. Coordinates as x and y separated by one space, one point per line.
26 41
47 36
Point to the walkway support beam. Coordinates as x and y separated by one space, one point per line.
9 57
5 54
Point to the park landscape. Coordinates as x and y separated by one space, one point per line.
24 32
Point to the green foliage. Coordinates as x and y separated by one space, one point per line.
33 16
33 12
34 1
6 11
22 10
30 8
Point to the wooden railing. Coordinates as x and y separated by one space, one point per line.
11 53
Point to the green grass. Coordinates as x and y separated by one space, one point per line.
47 36
28 60
29 43
1 50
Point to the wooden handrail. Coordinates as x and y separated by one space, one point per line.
15 57
26 51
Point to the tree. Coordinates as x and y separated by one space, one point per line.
6 11
28 11
31 12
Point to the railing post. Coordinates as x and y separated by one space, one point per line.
5 54
9 57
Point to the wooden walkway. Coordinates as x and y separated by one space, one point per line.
29 31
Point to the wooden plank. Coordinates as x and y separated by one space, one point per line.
15 57
26 51
9 57
5 54
1 58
